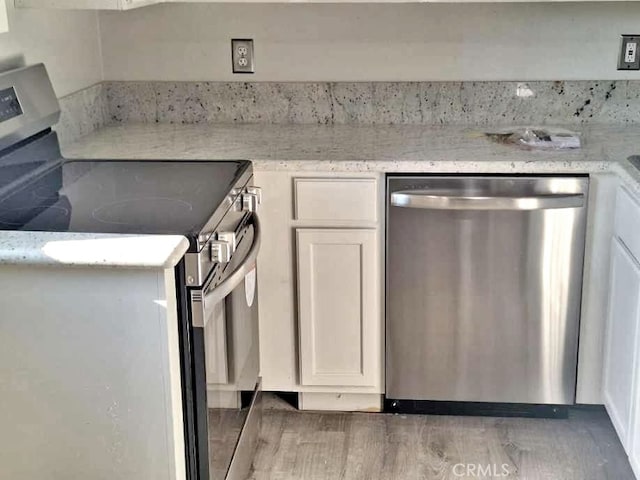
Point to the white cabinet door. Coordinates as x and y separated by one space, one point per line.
620 353
4 22
634 434
338 305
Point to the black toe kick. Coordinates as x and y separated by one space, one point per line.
483 409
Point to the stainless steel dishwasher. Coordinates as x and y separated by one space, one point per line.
484 278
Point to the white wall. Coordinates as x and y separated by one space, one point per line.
66 41
545 41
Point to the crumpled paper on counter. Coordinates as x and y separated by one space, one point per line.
542 138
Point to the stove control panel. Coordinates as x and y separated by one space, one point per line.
9 104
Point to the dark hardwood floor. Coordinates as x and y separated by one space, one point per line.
364 446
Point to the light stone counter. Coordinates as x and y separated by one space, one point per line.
343 147
91 250
359 148
355 148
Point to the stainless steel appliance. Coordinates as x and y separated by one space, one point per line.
212 203
484 278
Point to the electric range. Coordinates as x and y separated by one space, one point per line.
212 203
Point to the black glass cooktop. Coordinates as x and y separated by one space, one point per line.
144 197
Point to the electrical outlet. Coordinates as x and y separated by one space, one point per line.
242 55
629 53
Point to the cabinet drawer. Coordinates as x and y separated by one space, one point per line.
627 223
342 199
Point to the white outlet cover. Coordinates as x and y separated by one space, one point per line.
630 52
629 56
242 57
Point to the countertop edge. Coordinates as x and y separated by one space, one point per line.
60 249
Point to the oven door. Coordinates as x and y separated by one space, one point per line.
224 315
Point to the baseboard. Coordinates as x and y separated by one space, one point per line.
341 402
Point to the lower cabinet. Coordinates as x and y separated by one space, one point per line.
620 362
321 295
338 307
621 379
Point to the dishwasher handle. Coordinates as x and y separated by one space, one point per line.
428 200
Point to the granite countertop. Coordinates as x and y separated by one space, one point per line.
359 148
362 148
91 250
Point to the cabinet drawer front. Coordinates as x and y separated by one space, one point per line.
341 199
627 224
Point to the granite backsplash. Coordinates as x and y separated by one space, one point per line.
389 103
416 103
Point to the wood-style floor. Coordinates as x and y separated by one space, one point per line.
363 446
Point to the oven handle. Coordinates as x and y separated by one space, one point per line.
202 300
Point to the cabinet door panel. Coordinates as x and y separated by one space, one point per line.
4 22
338 306
620 355
627 219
